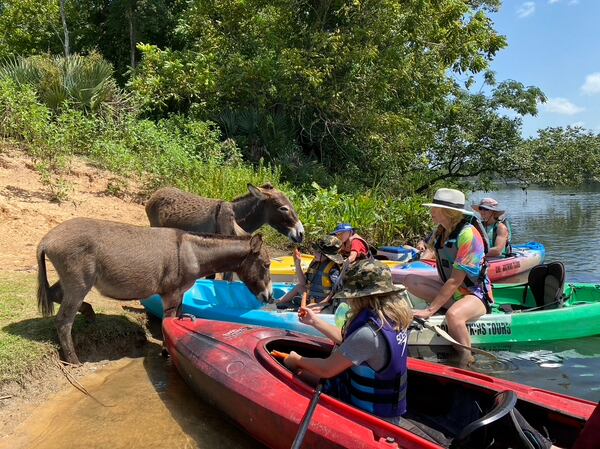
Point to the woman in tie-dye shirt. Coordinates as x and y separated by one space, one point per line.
462 288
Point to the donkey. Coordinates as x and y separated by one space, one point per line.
132 262
171 207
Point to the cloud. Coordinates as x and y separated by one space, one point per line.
579 124
592 84
561 106
552 2
573 2
526 9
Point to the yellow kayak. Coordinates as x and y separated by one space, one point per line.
282 268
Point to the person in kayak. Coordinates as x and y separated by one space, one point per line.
493 217
463 288
354 247
320 278
368 369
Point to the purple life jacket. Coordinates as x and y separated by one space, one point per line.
383 392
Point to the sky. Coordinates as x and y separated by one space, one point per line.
554 45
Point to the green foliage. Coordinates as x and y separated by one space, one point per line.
380 218
21 116
29 27
474 140
356 82
84 82
561 156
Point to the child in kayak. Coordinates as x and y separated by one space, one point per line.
320 278
368 369
463 287
493 217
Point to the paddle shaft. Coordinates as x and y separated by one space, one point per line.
446 336
297 444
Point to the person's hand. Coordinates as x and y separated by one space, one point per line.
421 246
297 255
307 315
291 361
423 313
316 307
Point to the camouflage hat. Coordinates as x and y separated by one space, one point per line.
330 246
367 277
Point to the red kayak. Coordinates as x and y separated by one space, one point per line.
230 365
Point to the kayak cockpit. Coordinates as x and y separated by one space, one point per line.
444 410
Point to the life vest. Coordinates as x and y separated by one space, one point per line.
492 233
446 255
345 251
318 280
383 392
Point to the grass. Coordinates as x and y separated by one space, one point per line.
28 342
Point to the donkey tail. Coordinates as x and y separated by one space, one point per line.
45 305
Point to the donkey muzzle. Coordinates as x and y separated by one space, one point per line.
296 234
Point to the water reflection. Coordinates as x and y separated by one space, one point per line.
566 221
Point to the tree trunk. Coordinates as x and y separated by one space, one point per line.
65 29
132 40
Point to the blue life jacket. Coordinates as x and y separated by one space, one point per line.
446 255
383 392
318 278
492 233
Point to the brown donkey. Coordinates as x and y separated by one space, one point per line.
132 262
171 207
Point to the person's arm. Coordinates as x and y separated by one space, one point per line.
500 243
450 286
297 290
333 365
308 316
298 266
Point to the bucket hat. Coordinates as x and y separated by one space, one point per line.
342 227
488 204
330 246
449 199
368 277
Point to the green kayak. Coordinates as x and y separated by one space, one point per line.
578 317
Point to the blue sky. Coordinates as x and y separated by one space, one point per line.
555 45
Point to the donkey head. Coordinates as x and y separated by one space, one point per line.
279 212
255 270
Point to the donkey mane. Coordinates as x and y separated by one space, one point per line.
208 236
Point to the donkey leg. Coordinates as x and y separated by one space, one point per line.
172 303
64 324
226 225
56 295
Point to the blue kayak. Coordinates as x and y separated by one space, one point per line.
232 301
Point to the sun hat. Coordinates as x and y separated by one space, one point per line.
330 246
368 277
449 199
342 227
488 204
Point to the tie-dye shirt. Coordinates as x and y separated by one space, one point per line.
469 258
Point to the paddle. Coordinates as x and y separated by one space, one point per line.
446 336
305 421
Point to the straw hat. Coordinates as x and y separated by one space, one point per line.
449 199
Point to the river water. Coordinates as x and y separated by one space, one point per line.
567 222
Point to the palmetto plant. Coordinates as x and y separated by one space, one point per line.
84 82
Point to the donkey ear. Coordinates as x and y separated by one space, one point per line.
267 185
256 242
257 192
